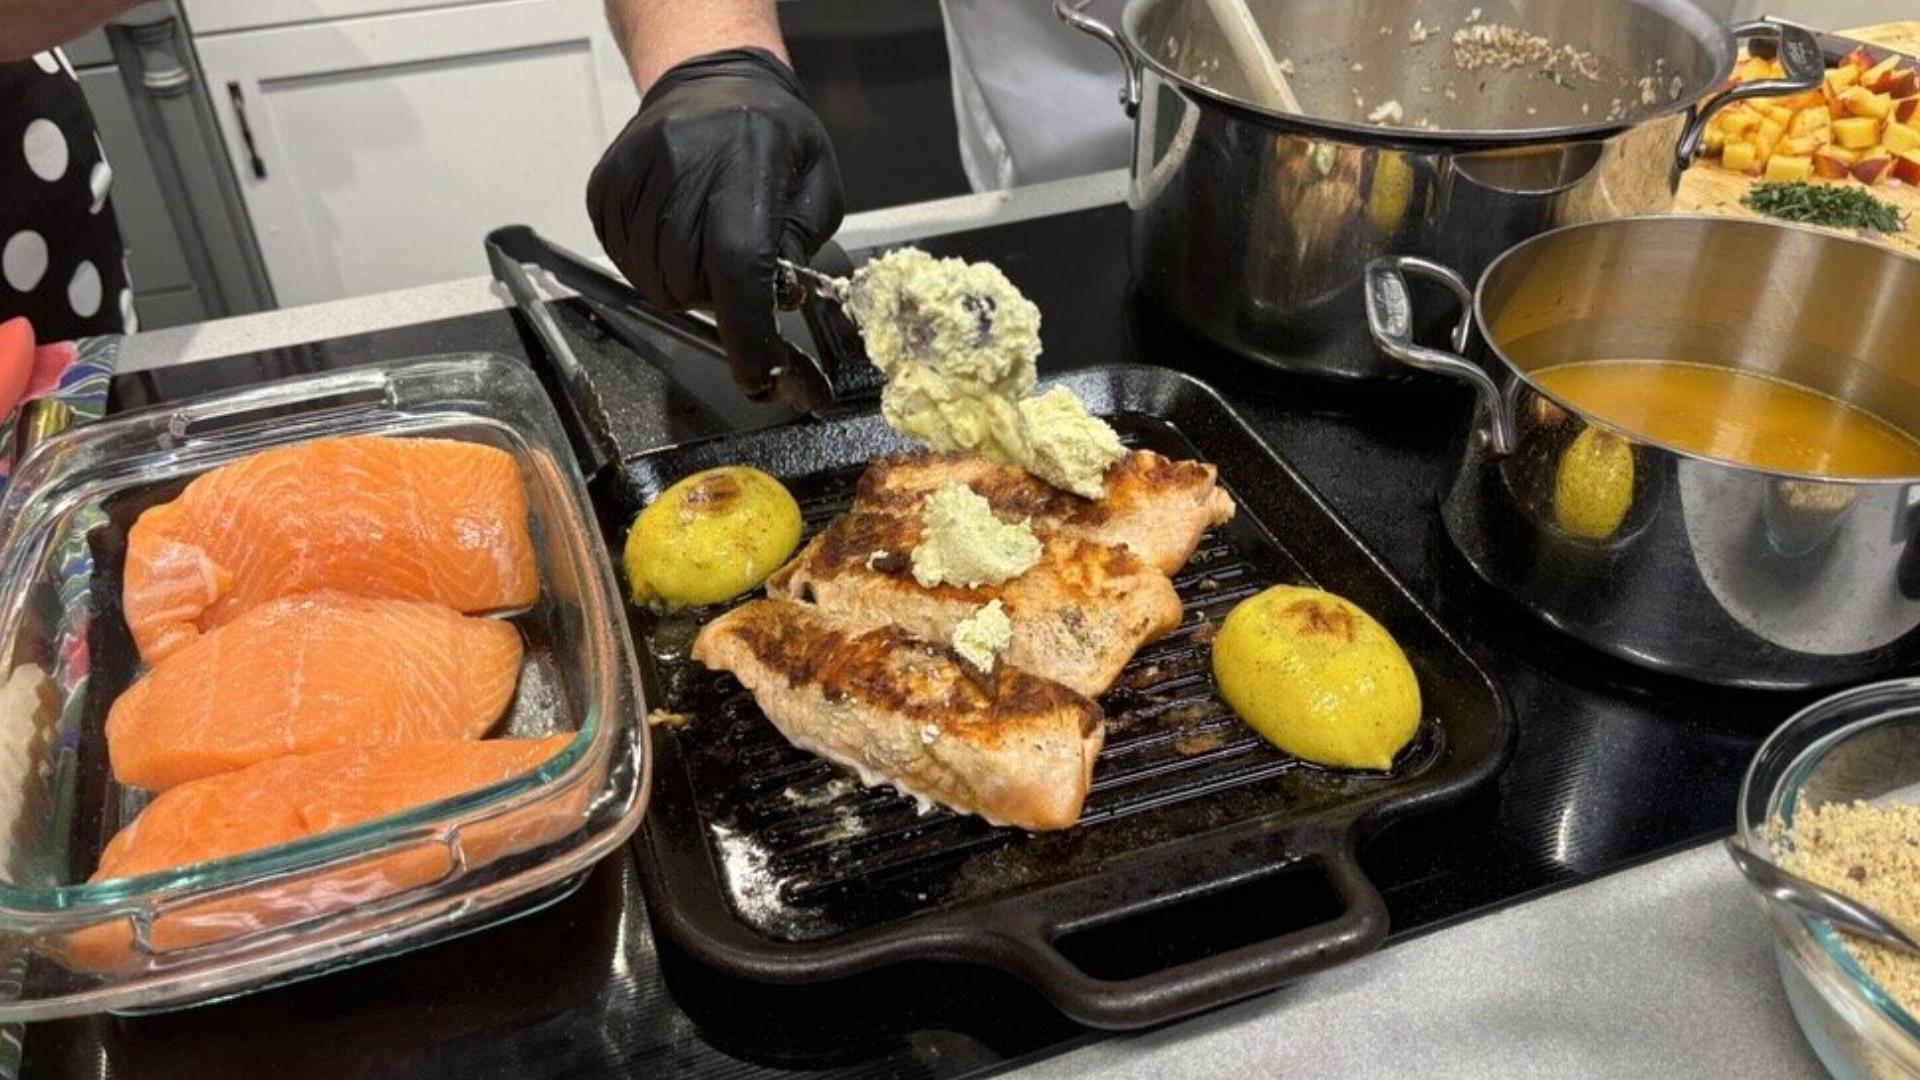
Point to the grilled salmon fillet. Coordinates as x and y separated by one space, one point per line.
1078 616
1013 748
1156 506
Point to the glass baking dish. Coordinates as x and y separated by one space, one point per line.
343 897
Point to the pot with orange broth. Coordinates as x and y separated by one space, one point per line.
1698 442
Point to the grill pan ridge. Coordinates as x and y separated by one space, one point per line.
769 863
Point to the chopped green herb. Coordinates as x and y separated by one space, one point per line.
1840 206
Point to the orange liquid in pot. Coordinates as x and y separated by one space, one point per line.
1736 416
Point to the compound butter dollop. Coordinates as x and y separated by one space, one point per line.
964 544
1067 446
959 346
983 636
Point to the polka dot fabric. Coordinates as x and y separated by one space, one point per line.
60 254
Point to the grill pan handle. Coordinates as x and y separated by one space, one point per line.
1186 876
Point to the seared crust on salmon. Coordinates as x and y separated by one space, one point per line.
1078 615
1010 747
1154 505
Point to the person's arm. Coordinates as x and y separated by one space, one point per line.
654 35
31 26
724 169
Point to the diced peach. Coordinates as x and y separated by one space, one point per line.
1899 138
1907 110
1779 114
1841 77
1906 168
1712 142
1861 102
1860 58
1740 156
1786 167
1828 164
1877 76
1810 120
1834 105
1805 99
1904 83
1873 168
1770 133
1856 132
1803 146
1739 122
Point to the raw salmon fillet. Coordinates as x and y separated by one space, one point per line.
309 673
405 519
296 797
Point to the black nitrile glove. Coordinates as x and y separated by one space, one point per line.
724 168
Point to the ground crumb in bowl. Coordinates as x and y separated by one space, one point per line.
1871 853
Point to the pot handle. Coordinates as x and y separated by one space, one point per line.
1390 317
1074 14
1799 55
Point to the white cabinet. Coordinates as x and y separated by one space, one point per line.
375 152
219 16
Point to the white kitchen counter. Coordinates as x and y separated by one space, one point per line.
1664 970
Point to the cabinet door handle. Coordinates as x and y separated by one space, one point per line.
246 131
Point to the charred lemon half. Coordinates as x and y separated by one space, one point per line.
1317 677
710 537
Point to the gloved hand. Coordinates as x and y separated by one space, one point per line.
724 167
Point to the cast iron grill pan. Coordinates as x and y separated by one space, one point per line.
770 863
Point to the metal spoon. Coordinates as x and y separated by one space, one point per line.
836 289
1808 898
797 282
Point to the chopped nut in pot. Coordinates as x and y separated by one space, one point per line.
1387 112
1497 45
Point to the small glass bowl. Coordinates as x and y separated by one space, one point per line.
1860 744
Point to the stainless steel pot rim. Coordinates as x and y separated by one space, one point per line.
1393 135
1837 956
1660 221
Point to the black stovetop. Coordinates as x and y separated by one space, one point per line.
1613 766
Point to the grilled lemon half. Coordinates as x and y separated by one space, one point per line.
1317 677
710 537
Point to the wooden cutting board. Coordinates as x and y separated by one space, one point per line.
1707 188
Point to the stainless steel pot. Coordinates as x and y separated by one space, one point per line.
1251 227
1716 571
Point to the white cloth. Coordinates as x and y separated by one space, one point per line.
1034 98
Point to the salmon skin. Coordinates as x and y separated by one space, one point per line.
395 518
309 673
296 797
